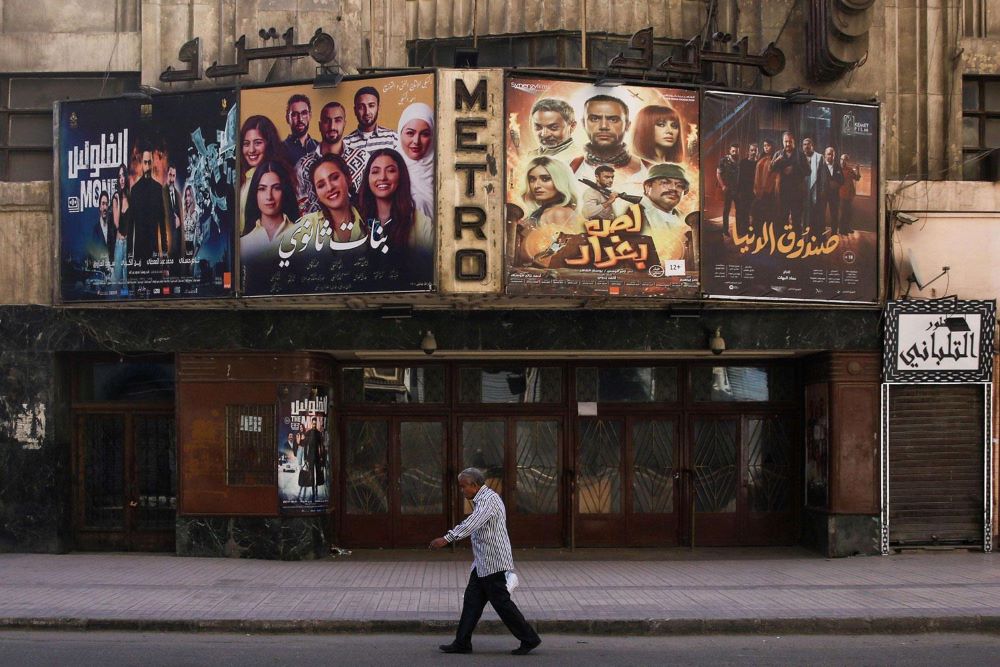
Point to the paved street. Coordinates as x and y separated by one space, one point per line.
101 649
638 593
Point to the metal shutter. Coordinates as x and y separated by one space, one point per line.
936 464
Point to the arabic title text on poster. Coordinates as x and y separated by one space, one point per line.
602 189
791 199
146 197
337 190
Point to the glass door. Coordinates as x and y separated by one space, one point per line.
627 482
521 460
394 482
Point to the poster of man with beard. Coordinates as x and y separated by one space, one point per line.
303 448
602 189
804 181
146 197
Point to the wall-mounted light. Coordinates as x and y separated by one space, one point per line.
717 344
395 312
429 343
328 76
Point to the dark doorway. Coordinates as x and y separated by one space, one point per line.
124 454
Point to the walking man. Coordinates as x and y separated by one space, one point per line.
491 559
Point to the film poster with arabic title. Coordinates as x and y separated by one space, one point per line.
303 448
790 200
602 189
146 192
337 187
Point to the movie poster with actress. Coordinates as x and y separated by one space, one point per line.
791 199
304 444
602 189
146 197
337 187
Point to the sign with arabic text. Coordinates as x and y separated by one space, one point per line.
939 341
146 197
790 207
602 189
337 191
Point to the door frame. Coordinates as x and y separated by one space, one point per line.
535 530
130 536
393 529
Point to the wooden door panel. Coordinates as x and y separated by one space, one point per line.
714 456
653 518
127 480
420 512
768 514
533 514
365 518
599 519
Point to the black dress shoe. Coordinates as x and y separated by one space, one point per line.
455 648
526 647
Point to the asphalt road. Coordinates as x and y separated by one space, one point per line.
82 649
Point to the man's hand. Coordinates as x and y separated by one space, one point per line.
438 543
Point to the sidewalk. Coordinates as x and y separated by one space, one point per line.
780 591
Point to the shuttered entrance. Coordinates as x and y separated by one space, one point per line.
936 465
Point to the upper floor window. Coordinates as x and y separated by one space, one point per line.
981 128
26 117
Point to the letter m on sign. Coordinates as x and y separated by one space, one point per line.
465 101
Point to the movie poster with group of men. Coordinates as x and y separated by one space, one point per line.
304 454
620 190
337 187
602 189
145 197
790 207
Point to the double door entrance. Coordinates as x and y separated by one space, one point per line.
125 479
694 480
399 475
687 478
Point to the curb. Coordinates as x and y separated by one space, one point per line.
989 624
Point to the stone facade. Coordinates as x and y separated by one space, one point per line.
919 53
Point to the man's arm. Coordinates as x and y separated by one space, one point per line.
480 515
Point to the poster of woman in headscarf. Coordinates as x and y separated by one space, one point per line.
602 189
337 187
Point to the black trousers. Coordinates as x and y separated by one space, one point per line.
728 200
492 589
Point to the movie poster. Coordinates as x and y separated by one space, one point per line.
337 187
303 448
146 190
817 445
791 199
602 189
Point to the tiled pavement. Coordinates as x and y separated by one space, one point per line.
640 592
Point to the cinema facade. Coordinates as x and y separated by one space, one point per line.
711 381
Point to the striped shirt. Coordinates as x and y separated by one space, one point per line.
380 137
488 527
